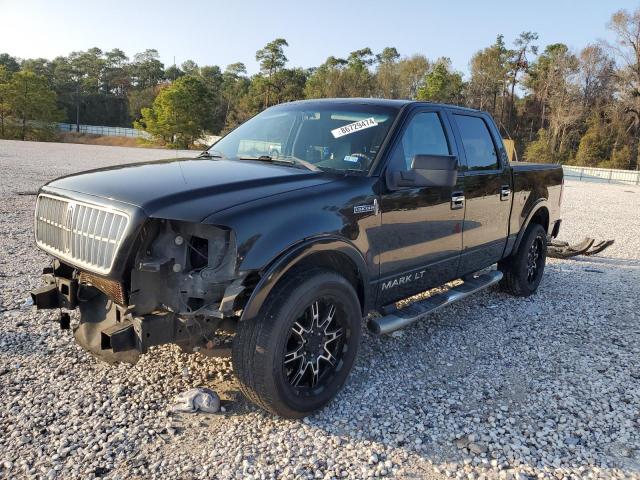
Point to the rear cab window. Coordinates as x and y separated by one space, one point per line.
478 145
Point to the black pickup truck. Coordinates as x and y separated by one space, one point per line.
277 241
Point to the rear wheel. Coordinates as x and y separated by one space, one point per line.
523 270
294 358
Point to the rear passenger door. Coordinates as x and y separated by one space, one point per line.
487 189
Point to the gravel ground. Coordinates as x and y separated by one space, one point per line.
493 387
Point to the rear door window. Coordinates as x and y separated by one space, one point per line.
477 142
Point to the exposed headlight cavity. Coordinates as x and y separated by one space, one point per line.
183 268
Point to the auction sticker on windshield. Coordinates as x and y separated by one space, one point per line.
354 127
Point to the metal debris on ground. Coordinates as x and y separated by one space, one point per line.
197 399
588 246
28 303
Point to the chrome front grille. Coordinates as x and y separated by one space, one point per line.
88 236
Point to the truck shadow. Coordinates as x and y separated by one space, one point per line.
608 261
519 374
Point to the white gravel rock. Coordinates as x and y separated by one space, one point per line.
545 387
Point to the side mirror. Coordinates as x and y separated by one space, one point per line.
426 171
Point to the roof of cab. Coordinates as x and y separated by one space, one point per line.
380 101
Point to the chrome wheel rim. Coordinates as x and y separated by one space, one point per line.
315 347
534 259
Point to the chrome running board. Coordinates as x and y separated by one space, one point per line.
398 318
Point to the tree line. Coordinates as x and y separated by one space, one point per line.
558 105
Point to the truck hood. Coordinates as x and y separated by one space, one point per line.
188 189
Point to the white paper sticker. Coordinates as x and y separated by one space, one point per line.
351 158
354 127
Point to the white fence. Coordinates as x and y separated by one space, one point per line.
607 175
100 130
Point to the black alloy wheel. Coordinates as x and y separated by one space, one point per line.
294 357
315 346
535 259
523 270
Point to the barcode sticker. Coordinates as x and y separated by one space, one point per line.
354 127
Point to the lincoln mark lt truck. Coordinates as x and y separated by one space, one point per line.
289 231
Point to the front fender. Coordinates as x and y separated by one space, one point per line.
285 262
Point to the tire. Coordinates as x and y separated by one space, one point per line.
523 270
276 356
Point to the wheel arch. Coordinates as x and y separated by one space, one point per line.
539 214
333 253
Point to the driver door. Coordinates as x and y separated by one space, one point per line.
421 230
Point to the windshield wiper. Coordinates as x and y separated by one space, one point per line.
288 160
345 172
208 154
266 158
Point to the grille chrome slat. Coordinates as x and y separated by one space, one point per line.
109 231
86 229
85 235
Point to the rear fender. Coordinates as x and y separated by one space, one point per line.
539 205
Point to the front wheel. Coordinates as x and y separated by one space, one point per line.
295 356
524 268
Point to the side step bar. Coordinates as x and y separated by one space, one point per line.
400 318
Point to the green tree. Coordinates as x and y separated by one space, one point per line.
272 59
288 84
489 69
593 148
596 77
442 84
39 66
411 73
235 85
116 73
172 73
180 113
328 80
626 27
32 103
189 67
147 69
359 81
67 82
620 158
213 80
553 81
519 63
540 150
5 78
9 63
89 66
338 77
387 76
141 98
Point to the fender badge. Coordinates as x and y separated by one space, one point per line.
367 208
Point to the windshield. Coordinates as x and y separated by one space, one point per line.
331 137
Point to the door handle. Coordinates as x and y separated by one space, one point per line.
457 201
505 192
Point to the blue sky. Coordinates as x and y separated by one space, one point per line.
215 32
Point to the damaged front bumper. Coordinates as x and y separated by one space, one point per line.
58 291
113 332
157 281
